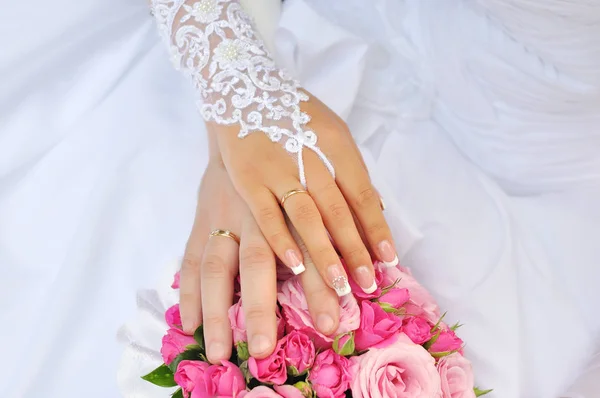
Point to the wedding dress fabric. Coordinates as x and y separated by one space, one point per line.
478 120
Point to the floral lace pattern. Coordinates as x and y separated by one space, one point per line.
214 42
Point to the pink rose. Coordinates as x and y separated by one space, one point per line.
457 378
418 329
175 284
421 302
260 392
396 297
271 369
173 317
403 369
331 375
295 310
190 376
174 343
360 294
447 341
238 323
377 327
299 351
225 380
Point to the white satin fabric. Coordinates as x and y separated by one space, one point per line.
478 119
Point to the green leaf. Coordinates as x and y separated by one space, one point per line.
246 371
455 326
479 393
437 325
442 354
242 351
387 307
193 354
161 376
431 341
348 347
177 394
305 389
199 337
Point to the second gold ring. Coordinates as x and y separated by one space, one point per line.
291 193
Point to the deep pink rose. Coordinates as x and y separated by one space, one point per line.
331 375
287 391
259 392
377 327
403 369
447 341
173 317
175 284
271 369
360 294
295 311
418 329
190 376
238 323
456 374
225 380
421 302
174 343
283 273
396 297
299 351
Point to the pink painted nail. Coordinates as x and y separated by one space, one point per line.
294 262
364 278
387 254
338 280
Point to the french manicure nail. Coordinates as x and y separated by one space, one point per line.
387 254
325 323
259 344
294 262
339 280
364 278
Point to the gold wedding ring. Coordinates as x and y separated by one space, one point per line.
226 234
291 193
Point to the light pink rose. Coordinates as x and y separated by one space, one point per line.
457 377
287 391
403 369
175 284
190 376
299 351
295 311
225 380
395 297
421 302
259 392
417 328
238 323
447 341
174 343
271 369
331 375
173 317
377 327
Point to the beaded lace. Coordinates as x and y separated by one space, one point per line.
214 42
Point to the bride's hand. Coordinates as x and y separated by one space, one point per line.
210 267
345 207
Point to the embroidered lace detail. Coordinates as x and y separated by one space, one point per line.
215 43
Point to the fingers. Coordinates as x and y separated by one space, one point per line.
190 300
270 219
365 202
306 218
259 290
340 223
218 269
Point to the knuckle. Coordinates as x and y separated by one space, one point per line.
356 252
376 229
215 321
256 314
366 196
277 238
306 212
267 215
255 257
191 263
213 266
338 210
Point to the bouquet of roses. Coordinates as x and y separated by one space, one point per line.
391 343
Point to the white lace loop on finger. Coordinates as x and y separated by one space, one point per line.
214 42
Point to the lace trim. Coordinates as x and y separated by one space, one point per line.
214 42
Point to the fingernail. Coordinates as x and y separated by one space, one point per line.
325 323
364 278
387 254
338 279
216 351
260 344
294 262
